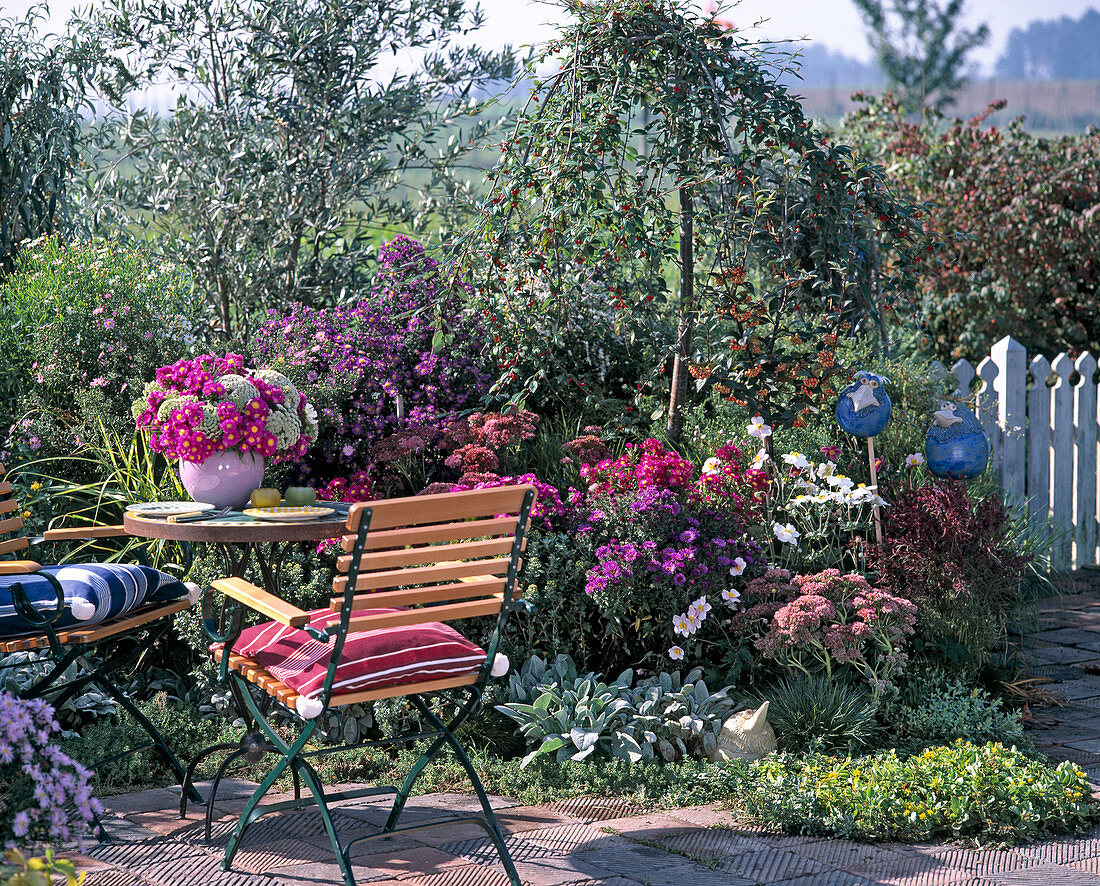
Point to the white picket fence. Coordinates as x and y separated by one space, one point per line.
1041 418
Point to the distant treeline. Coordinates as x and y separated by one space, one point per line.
1059 49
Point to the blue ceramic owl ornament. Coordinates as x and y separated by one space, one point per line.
956 447
863 408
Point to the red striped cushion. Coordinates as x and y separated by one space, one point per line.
370 659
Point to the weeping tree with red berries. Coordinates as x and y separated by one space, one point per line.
664 171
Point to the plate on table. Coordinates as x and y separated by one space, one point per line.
166 509
288 515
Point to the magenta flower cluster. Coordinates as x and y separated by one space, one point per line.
366 361
211 403
47 795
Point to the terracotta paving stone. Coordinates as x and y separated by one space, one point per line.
271 855
113 877
1048 875
526 818
555 872
154 801
574 837
772 865
322 873
452 832
468 875
649 826
688 874
589 809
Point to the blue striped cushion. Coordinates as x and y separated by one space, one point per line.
94 592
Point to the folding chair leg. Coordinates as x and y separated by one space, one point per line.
288 755
448 737
309 775
194 765
406 788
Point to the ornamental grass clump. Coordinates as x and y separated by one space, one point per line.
44 795
210 404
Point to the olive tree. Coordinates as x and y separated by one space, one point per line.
43 89
297 127
663 165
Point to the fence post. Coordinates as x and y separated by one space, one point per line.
1084 415
1038 444
987 407
1010 384
964 375
1062 490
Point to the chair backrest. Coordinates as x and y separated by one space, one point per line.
452 555
11 519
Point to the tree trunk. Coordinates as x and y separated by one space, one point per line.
680 375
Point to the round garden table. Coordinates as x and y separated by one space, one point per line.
239 539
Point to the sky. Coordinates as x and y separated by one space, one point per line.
834 23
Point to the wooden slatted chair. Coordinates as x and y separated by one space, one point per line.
45 624
410 565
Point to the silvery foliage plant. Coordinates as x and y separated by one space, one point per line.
575 715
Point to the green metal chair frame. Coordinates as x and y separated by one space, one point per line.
418 555
70 646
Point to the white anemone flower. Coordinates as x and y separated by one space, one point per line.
786 533
797 460
676 653
757 428
738 567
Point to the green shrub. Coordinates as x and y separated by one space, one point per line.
183 728
938 708
96 320
566 618
988 792
811 713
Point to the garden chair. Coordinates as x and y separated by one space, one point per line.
411 565
64 612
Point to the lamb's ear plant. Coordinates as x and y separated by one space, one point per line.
575 716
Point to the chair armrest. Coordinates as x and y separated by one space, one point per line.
80 533
263 602
18 567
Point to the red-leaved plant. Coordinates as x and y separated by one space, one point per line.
956 559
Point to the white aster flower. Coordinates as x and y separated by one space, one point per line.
914 460
676 653
757 428
732 597
786 534
738 566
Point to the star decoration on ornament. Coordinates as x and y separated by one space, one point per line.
863 397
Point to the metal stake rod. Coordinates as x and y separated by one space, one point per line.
874 484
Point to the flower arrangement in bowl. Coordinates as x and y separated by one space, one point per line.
222 421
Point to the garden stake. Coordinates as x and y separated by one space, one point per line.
874 484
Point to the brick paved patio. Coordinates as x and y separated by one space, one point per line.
598 841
